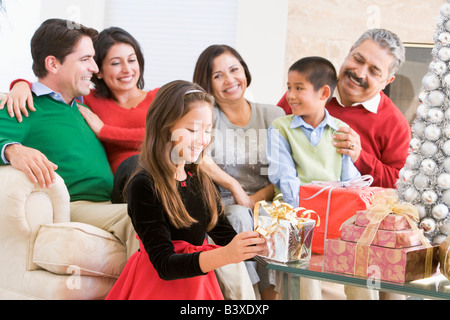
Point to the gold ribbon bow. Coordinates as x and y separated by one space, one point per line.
278 211
385 203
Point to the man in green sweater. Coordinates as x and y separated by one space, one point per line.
57 138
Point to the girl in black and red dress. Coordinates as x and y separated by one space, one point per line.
173 205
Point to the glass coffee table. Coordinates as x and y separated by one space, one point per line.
435 287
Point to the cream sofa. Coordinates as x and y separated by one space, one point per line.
45 256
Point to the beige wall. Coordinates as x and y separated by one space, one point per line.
271 34
328 28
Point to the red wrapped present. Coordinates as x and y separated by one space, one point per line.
335 202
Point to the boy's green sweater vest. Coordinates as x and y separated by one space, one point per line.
319 163
60 132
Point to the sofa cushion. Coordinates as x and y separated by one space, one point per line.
79 249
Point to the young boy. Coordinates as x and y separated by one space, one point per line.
299 146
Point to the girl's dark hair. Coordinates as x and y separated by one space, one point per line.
58 38
105 40
204 66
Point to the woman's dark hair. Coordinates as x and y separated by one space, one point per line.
105 40
58 38
204 66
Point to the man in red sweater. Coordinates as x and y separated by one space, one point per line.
379 136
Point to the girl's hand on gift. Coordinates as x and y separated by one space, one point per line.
348 142
245 245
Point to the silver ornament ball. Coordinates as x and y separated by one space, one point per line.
445 9
446 147
428 225
431 81
443 181
429 196
421 181
439 211
412 161
436 98
428 166
429 149
421 210
435 115
411 194
446 197
444 38
432 132
444 54
422 111
444 227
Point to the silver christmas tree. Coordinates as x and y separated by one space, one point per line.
425 179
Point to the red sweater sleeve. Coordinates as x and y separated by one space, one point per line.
385 138
18 80
122 136
386 170
122 127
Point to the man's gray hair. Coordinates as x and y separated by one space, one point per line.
389 41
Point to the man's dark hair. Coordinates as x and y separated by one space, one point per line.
56 37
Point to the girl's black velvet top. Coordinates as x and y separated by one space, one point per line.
156 232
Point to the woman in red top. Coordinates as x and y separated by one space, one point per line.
118 104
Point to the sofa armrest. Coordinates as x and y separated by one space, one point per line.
20 200
80 249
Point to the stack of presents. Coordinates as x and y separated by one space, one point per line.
359 230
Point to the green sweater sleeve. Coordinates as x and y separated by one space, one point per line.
11 132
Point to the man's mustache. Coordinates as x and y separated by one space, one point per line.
360 81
